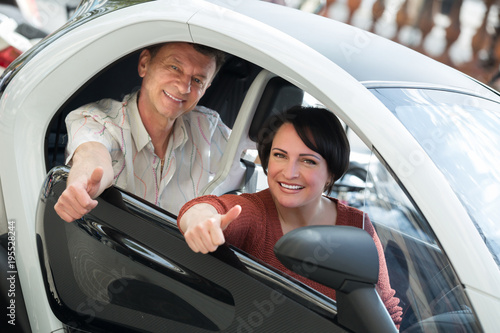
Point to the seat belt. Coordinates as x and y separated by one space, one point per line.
250 185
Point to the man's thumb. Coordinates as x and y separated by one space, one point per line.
95 179
229 217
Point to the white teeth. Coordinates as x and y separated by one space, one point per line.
172 97
291 187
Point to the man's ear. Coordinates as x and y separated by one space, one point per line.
144 59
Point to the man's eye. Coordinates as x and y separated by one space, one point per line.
198 81
174 67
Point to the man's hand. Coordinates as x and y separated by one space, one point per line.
78 198
203 227
89 176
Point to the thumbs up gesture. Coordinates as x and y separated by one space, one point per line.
78 198
203 227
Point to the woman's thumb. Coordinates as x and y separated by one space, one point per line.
229 217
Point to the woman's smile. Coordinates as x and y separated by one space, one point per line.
290 186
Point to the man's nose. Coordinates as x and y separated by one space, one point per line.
184 84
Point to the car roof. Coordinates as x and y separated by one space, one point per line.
365 56
370 59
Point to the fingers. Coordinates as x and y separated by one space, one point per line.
73 203
77 199
205 236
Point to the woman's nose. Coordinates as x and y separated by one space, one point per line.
291 170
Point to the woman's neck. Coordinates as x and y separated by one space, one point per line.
323 212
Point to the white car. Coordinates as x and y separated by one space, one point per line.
424 166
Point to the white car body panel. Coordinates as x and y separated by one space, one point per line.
63 66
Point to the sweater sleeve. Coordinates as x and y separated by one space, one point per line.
209 199
383 286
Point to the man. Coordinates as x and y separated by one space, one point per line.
154 143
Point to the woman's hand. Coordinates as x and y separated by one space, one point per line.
203 227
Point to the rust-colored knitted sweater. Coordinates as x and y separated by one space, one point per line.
257 229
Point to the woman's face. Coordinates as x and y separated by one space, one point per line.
296 174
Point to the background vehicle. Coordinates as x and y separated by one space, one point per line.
16 34
125 266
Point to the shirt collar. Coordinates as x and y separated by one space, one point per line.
179 134
139 133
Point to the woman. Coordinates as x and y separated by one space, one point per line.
303 152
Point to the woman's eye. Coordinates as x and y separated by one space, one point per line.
311 162
279 155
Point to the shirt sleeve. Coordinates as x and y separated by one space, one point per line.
87 124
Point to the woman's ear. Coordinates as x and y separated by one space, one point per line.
329 183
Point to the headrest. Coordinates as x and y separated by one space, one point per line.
278 96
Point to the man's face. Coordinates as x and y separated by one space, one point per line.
174 80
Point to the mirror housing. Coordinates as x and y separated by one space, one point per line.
343 258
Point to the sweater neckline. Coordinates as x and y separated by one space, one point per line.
341 213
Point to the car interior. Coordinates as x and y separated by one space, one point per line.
121 78
428 289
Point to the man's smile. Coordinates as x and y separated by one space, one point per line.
172 97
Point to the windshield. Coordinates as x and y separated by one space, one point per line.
461 134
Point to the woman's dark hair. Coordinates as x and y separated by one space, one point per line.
218 55
319 129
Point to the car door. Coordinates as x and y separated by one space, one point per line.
126 267
431 295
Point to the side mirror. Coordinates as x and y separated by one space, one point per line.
345 259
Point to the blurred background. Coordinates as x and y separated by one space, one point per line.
25 22
460 33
